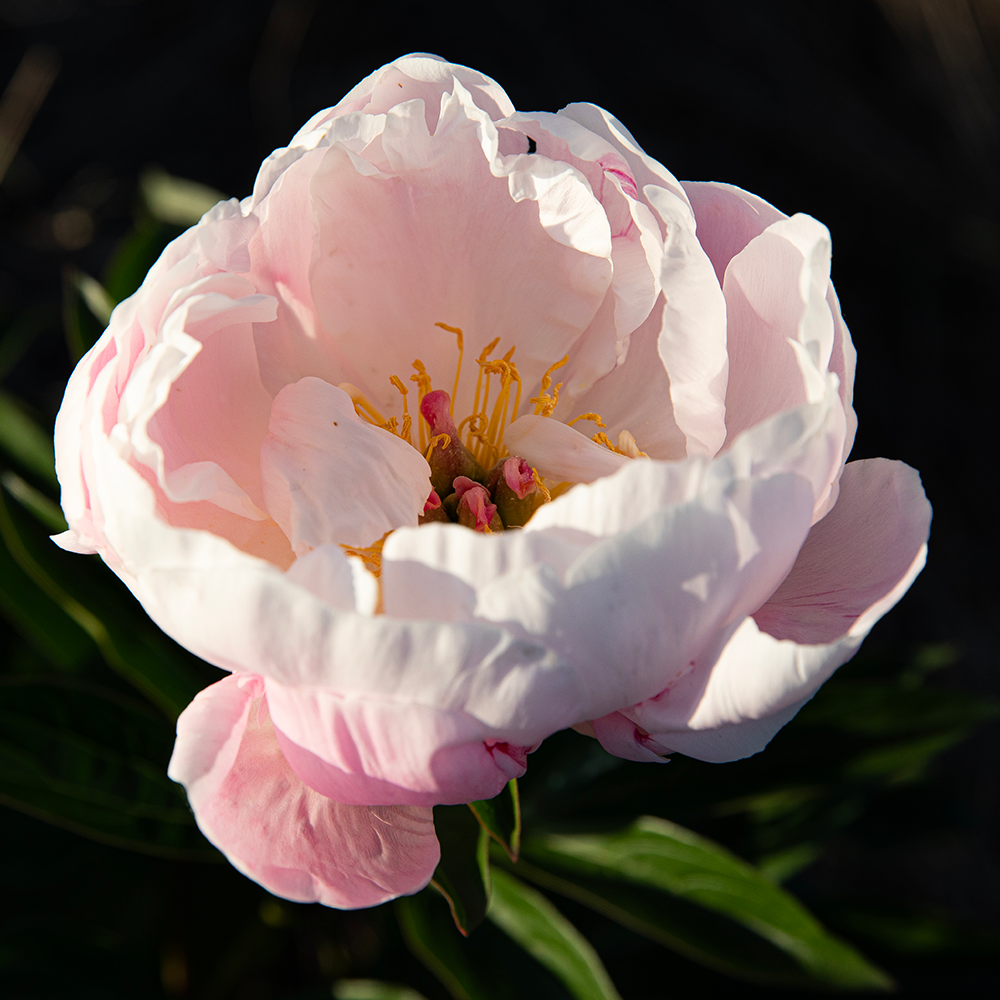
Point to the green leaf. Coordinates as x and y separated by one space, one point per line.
656 853
95 297
134 256
538 927
25 441
175 200
429 934
500 817
94 763
372 989
37 503
53 633
462 876
878 709
125 638
691 931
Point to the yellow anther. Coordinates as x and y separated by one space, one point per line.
370 555
458 371
596 417
362 406
392 426
627 446
601 438
545 404
547 377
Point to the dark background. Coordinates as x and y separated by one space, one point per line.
881 119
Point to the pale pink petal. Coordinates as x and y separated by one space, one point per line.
379 292
419 76
331 477
728 219
621 737
872 540
780 326
560 452
732 707
273 828
642 167
692 343
656 592
635 397
380 752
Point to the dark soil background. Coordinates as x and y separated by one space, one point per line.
881 119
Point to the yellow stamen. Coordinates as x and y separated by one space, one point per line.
423 381
480 361
601 438
596 417
458 370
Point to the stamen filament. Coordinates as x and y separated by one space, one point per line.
461 350
362 406
423 381
407 421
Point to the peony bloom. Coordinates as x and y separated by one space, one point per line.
466 427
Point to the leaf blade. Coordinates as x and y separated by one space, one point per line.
537 926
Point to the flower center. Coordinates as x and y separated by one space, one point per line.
475 480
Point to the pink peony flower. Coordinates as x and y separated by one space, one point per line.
466 427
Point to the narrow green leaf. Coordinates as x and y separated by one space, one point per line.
25 441
538 927
95 297
656 853
500 817
134 256
879 709
175 200
129 644
94 763
691 931
462 875
81 327
37 503
430 936
372 989
56 636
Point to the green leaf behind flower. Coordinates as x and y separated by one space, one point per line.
538 927
661 855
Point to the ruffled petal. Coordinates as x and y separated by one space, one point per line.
293 841
533 225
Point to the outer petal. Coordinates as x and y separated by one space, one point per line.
292 840
855 565
858 561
